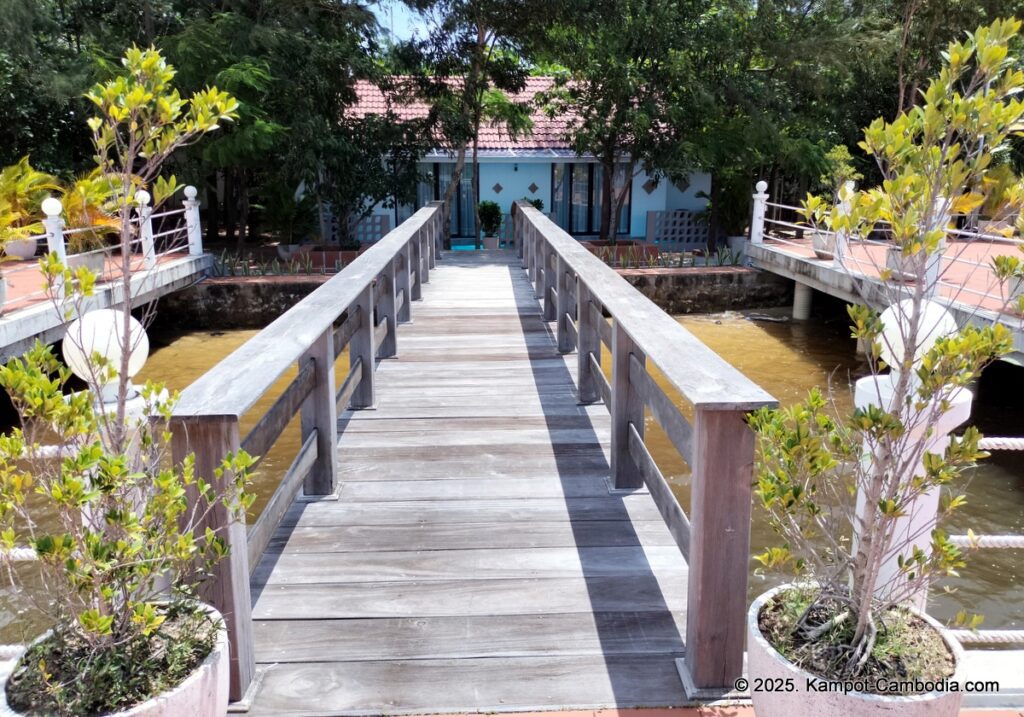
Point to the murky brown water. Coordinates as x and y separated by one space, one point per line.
786 359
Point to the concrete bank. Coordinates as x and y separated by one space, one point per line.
252 302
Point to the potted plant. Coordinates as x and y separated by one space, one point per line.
490 222
117 531
22 190
89 208
856 498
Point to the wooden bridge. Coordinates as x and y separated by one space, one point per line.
473 522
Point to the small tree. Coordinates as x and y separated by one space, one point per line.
490 217
811 464
117 530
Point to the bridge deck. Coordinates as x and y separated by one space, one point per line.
473 558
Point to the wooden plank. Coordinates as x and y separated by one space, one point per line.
563 530
467 565
676 520
604 328
473 488
536 596
349 385
469 636
449 514
380 334
603 387
343 334
588 346
626 408
266 431
468 686
260 533
320 416
666 413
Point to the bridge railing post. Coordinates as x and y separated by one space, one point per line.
319 413
361 349
564 306
720 503
758 213
145 213
386 311
193 226
588 342
627 409
415 264
403 280
54 227
212 438
551 283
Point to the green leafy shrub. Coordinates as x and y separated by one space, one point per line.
118 530
812 464
490 217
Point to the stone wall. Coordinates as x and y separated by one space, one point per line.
253 302
702 290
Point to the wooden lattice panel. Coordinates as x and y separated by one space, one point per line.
676 230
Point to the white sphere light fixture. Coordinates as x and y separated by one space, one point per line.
100 332
934 323
52 207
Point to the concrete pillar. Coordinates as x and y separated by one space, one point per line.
915 528
802 295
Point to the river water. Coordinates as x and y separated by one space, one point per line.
786 358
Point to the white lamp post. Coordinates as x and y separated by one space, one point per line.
915 528
101 332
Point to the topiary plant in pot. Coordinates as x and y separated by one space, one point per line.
857 498
490 222
116 531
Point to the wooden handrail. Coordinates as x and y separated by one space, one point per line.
358 308
578 291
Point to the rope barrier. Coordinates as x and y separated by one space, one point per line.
990 443
989 541
989 637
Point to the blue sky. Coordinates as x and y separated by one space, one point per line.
396 17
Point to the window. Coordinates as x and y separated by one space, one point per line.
576 198
434 180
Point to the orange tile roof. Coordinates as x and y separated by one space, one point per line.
548 133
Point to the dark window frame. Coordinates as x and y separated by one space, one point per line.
590 229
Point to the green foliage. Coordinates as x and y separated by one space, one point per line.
22 190
490 217
537 203
811 464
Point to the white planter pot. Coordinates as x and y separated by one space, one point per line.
204 693
490 242
824 245
791 698
21 248
94 261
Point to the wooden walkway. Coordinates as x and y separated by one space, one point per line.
473 558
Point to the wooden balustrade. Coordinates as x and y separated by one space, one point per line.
718 445
358 309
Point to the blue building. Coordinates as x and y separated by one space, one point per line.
538 166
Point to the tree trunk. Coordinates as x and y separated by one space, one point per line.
607 200
243 210
449 194
620 199
476 189
715 214
230 214
212 210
